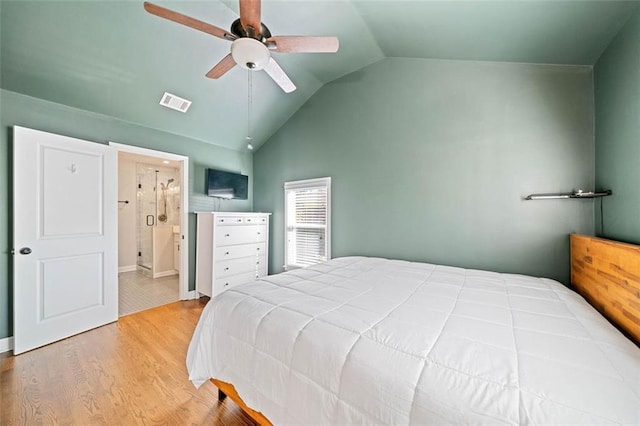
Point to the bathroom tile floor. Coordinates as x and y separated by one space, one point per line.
138 292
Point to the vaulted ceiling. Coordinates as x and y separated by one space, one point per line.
111 57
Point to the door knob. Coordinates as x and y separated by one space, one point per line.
25 250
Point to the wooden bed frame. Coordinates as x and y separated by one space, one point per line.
227 390
606 273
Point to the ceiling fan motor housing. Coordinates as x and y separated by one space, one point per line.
239 31
250 53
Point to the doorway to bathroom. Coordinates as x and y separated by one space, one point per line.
152 228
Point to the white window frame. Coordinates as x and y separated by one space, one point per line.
304 184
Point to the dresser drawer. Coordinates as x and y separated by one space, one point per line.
230 220
226 283
251 220
226 268
240 250
261 265
261 233
257 220
231 235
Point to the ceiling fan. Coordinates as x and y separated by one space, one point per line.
252 42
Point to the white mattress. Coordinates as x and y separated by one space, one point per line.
366 340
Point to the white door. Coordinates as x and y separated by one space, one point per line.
65 237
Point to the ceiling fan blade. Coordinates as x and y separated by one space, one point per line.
303 44
281 79
250 16
222 67
196 24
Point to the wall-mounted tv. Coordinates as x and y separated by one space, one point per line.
226 184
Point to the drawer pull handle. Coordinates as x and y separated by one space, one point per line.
221 220
239 220
226 269
258 249
226 284
258 262
226 253
259 233
226 235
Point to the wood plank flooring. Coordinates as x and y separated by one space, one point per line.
131 372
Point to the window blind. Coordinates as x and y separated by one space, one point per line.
307 222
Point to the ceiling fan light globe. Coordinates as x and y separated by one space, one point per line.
250 53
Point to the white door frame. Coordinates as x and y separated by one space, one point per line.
184 207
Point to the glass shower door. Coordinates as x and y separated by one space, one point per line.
147 213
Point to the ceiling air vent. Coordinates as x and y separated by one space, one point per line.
175 102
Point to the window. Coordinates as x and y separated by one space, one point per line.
307 222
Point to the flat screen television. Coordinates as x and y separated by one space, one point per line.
226 184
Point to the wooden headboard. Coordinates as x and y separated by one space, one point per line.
607 274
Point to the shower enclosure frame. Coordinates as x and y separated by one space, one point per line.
183 161
153 214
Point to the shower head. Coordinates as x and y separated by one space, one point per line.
165 187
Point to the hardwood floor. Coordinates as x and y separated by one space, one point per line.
126 373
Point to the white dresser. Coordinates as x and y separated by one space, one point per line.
231 249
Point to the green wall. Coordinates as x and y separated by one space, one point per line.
617 112
430 161
16 109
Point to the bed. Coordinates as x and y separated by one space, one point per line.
378 341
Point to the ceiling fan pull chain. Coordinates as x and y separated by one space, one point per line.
249 105
249 101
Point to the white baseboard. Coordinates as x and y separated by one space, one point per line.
6 344
165 273
129 268
191 295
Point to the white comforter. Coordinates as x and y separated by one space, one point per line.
365 340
